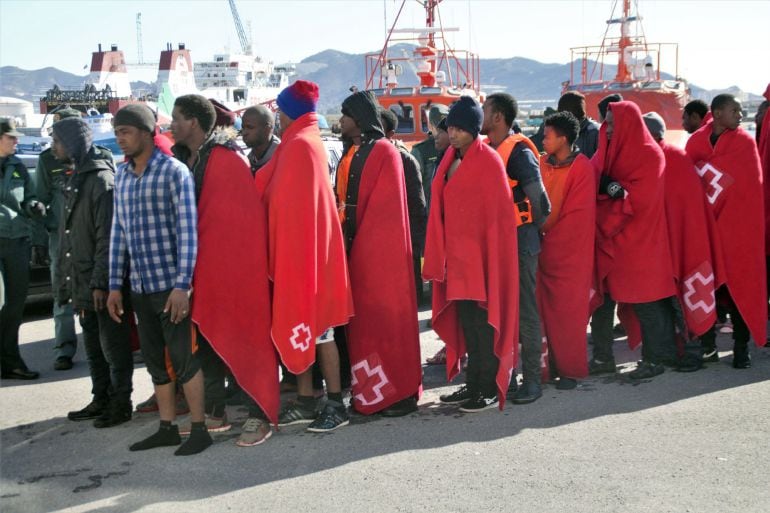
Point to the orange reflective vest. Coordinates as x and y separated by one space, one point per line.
343 172
523 208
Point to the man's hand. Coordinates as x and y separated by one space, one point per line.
177 305
115 305
100 299
37 208
611 188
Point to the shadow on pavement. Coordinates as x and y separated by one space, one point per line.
61 464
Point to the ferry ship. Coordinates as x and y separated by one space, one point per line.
241 80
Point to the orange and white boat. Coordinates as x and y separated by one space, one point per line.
638 77
444 73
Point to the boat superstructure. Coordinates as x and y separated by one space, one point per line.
637 67
444 73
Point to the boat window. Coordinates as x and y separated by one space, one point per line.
405 115
379 91
402 91
592 87
622 85
430 90
652 85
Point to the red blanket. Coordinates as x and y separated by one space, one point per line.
306 253
732 176
470 254
633 260
764 156
383 336
565 270
231 300
695 250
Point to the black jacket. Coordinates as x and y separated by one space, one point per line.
415 199
362 106
84 231
588 139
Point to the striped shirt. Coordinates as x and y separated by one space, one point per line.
154 226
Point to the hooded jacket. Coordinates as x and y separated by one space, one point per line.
84 229
50 180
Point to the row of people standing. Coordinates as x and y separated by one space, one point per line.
365 264
664 245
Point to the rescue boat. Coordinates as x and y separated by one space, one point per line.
638 77
444 73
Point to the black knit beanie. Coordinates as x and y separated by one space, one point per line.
136 115
467 114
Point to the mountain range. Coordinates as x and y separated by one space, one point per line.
533 83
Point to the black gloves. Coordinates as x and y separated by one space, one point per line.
610 187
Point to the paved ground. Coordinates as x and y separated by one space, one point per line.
679 443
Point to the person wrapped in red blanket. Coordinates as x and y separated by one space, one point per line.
763 144
567 256
306 258
470 255
696 254
383 337
633 260
727 161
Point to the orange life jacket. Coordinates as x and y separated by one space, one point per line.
523 208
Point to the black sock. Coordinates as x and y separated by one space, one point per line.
166 435
335 396
198 441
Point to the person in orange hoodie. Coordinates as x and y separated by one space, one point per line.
567 250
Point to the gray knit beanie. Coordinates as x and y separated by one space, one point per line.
137 115
655 125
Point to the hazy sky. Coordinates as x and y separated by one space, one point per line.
721 43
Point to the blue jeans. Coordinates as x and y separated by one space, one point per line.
63 316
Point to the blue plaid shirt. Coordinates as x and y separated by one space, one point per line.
154 226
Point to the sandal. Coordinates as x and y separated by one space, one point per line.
439 358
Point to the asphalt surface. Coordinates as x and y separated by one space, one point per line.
695 442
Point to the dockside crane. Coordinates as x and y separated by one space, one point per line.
242 36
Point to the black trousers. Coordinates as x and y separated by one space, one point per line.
741 334
214 372
157 334
14 270
479 342
530 334
417 261
108 350
657 323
